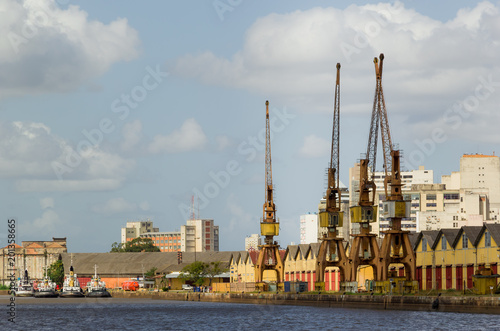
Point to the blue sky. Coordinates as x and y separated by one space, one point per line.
119 110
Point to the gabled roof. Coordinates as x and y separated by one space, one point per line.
414 237
451 236
315 249
304 249
254 254
244 256
292 251
431 237
494 230
55 245
34 245
472 233
16 246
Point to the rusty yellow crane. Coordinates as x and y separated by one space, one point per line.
396 246
332 251
269 257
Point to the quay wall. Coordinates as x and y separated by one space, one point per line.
473 304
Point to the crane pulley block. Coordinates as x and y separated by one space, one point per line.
395 209
362 214
330 220
269 229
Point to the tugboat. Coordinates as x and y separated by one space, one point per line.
96 288
47 288
71 287
24 288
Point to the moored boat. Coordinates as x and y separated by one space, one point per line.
71 287
24 287
96 288
46 288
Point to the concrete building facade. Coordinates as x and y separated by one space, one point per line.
309 230
200 236
252 242
32 256
165 241
135 229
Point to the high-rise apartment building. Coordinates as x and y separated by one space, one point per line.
135 229
309 228
252 241
199 236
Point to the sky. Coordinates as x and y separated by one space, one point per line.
123 111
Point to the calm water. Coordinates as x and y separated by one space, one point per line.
121 314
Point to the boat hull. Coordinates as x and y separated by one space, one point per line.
73 294
46 294
23 294
98 294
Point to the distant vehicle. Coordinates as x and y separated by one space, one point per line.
187 287
130 285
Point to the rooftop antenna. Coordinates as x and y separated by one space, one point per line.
192 207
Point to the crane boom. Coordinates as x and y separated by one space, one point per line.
269 257
332 193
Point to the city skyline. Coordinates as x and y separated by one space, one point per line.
116 112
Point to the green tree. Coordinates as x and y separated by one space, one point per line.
151 272
56 272
116 247
136 245
216 268
195 272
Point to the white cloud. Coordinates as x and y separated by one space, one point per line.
188 137
47 224
222 142
47 203
132 135
428 64
144 206
29 153
48 49
314 146
115 205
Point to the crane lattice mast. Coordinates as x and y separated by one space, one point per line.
269 257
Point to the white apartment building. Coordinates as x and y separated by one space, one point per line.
135 229
309 228
470 198
253 241
199 236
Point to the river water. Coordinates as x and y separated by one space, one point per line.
139 314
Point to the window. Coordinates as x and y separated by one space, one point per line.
487 239
465 241
443 243
424 245
431 197
451 196
431 205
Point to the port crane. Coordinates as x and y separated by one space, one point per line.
332 251
365 249
396 247
269 257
